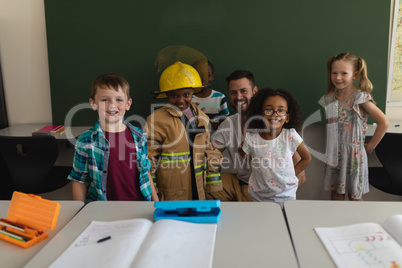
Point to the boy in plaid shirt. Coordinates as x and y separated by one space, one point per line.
111 159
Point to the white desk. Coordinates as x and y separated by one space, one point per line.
27 129
249 234
394 127
303 216
15 256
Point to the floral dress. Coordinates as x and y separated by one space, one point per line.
346 169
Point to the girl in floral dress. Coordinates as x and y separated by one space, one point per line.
347 109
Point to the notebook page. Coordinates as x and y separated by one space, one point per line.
126 237
177 244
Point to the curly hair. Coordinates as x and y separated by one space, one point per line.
254 111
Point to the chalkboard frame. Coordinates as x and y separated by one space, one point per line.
284 43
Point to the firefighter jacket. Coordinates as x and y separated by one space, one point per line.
184 163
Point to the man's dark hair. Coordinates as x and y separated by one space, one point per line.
239 74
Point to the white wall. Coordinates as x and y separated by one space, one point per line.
23 57
394 113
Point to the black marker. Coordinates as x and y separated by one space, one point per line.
104 239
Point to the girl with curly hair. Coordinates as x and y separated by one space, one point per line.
271 140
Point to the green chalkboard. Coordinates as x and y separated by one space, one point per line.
285 43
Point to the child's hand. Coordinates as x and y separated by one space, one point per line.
240 149
302 175
382 125
368 148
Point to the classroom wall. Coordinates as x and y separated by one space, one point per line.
23 55
24 61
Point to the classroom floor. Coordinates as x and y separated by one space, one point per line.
65 193
312 189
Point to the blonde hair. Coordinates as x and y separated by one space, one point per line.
113 81
359 66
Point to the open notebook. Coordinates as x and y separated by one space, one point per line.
141 243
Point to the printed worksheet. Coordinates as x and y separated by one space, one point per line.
361 245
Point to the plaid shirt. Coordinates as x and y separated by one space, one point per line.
91 160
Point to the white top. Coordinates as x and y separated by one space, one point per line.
230 134
273 177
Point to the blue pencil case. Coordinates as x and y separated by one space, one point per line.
191 211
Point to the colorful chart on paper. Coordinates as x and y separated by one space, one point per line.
361 245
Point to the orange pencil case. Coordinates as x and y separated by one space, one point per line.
29 216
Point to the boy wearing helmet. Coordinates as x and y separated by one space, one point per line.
185 166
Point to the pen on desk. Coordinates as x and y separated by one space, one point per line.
12 226
104 239
15 224
397 125
12 235
23 235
